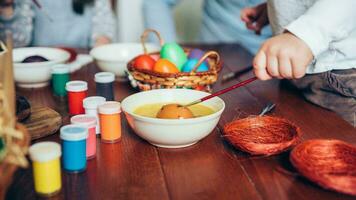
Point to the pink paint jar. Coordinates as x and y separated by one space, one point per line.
89 122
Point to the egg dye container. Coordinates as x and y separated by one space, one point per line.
74 148
77 91
105 85
90 105
46 166
89 122
60 76
110 121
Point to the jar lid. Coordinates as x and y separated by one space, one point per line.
110 107
93 102
86 120
76 86
44 151
104 77
73 132
60 69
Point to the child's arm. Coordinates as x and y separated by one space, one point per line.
289 54
324 22
104 25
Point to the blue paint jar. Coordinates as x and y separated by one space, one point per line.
74 148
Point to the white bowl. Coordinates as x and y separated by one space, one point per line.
171 133
36 74
114 57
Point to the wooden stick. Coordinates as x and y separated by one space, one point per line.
8 84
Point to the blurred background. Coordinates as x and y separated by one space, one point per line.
187 15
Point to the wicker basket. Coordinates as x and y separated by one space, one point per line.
262 135
148 80
329 163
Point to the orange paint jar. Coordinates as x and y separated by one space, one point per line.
110 121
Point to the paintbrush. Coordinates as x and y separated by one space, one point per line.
223 91
39 6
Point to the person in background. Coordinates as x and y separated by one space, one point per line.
314 46
70 23
220 22
22 28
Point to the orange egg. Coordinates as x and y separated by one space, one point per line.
165 66
174 111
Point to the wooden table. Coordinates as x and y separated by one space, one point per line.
211 169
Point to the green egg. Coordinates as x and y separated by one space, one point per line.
174 53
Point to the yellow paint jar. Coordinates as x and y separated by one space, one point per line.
46 165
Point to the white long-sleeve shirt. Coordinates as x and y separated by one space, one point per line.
328 27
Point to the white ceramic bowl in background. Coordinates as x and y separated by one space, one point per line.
171 133
114 57
36 74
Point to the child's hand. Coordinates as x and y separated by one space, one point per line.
101 40
255 17
282 56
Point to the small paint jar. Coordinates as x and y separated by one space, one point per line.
110 121
74 148
89 122
60 76
77 91
90 105
105 85
46 165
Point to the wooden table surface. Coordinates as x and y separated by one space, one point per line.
211 169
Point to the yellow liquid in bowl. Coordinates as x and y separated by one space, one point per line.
151 110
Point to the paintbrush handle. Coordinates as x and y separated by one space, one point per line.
37 4
240 84
232 75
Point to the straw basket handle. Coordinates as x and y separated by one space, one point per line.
144 37
207 55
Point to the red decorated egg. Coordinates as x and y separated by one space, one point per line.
165 66
144 62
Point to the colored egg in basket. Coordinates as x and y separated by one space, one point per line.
173 69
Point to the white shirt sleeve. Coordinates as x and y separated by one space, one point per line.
324 22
